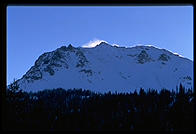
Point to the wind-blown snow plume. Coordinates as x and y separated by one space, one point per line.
93 43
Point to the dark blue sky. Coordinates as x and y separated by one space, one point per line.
32 31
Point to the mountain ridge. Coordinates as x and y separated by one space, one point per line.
108 68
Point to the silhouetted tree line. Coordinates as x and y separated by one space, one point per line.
78 109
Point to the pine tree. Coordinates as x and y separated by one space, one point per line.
181 89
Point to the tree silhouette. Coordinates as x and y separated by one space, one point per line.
77 109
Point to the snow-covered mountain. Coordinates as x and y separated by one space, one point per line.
108 68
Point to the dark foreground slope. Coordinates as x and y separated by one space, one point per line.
61 109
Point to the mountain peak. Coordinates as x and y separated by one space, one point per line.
103 44
97 69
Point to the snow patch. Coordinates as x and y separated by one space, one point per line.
115 45
178 55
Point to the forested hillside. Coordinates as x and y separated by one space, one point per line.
77 109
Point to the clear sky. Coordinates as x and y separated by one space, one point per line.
33 30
